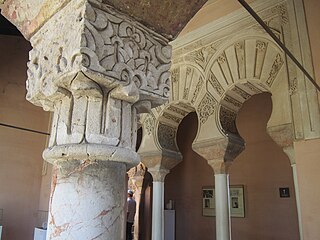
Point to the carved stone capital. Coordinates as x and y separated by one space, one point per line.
105 51
158 175
161 160
225 148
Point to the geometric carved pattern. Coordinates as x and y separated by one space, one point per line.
206 107
167 137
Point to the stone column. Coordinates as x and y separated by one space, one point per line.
94 68
220 153
159 165
158 203
222 197
136 177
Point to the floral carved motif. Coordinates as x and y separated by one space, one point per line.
206 107
167 137
277 64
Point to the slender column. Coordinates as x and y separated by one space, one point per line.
290 153
158 204
220 153
222 198
94 68
222 206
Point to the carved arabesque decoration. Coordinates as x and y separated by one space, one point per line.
206 107
107 46
167 137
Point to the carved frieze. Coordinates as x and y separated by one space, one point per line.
232 101
252 87
206 107
241 92
177 110
171 117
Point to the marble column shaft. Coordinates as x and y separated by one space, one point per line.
158 204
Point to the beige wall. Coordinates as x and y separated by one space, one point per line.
20 151
308 169
262 168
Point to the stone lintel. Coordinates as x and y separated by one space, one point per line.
100 49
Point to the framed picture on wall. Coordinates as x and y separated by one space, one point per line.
237 207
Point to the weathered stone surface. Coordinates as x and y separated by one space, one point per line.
29 16
165 17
